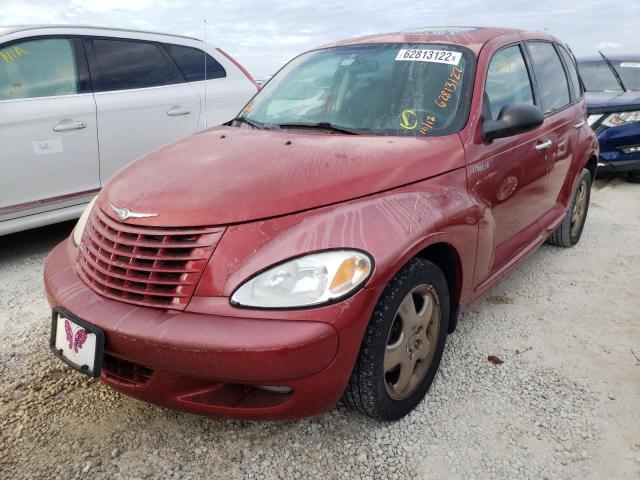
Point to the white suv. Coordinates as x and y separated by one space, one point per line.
78 103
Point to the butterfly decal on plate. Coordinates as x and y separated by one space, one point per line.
75 341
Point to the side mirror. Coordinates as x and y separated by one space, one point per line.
514 118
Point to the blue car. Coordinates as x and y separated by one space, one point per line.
612 86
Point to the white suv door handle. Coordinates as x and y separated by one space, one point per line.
580 124
544 145
66 125
177 111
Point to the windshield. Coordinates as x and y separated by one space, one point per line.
382 89
598 77
629 74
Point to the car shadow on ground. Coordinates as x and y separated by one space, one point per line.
33 242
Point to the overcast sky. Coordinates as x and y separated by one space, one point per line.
263 35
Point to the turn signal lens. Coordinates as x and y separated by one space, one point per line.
350 272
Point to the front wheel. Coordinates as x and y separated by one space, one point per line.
570 230
403 344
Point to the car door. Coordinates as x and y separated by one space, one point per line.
48 136
142 100
562 119
508 175
227 89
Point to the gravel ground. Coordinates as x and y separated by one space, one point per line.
564 404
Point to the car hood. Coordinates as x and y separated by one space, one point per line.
612 102
228 175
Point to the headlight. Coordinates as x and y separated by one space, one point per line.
617 119
313 279
82 222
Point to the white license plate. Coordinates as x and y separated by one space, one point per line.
77 342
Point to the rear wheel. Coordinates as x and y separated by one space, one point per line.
633 176
403 344
570 230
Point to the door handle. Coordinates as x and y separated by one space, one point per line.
580 124
177 111
66 125
544 145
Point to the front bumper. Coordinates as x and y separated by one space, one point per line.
212 364
612 143
616 165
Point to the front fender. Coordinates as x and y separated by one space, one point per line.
392 227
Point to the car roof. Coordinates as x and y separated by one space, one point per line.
7 29
470 37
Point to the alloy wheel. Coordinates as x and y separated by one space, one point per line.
411 342
579 209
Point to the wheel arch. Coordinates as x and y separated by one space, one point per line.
446 257
592 166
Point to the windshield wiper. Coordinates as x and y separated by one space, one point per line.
615 72
319 126
251 123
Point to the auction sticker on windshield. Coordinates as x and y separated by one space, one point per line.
436 56
77 342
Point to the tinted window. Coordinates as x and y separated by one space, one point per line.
598 77
124 65
550 76
190 61
507 81
573 74
38 68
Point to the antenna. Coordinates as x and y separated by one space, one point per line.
206 124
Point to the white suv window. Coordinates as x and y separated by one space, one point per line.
128 64
38 68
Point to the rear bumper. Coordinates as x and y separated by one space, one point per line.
211 364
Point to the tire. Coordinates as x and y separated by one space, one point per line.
633 176
370 389
570 230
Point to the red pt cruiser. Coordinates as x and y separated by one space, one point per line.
323 243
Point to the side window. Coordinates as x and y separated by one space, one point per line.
550 76
507 82
190 61
38 68
573 73
126 64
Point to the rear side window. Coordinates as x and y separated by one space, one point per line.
507 82
550 76
125 65
190 61
38 68
573 73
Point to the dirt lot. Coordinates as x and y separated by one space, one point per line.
564 404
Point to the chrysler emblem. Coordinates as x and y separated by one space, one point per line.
124 213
